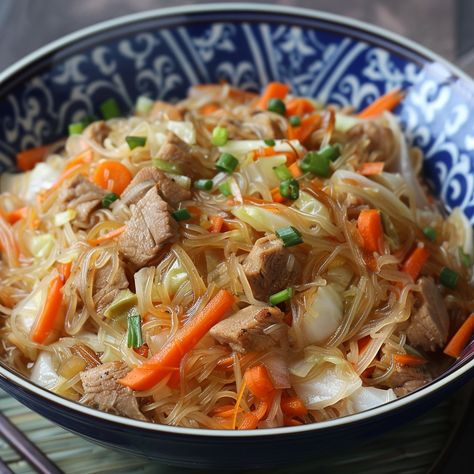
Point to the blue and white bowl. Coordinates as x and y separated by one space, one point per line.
160 54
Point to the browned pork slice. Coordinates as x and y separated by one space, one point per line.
246 330
405 379
97 132
108 282
409 386
179 153
83 196
264 125
145 179
267 267
170 111
429 325
149 229
103 391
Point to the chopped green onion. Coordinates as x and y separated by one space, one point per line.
316 163
464 257
110 109
289 188
448 277
277 106
295 121
281 296
282 172
205 184
290 236
430 233
269 142
134 142
227 163
134 330
220 136
224 188
108 199
88 119
181 214
166 166
76 128
143 105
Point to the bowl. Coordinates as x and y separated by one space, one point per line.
160 54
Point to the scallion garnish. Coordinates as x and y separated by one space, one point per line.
316 163
430 233
110 109
289 188
281 296
134 330
224 188
76 128
143 105
448 278
295 121
134 142
269 142
204 184
181 214
166 166
227 163
220 136
108 199
290 236
282 172
277 106
465 258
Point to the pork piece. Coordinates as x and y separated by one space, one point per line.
266 267
409 386
107 284
264 126
97 132
244 330
429 325
103 391
163 109
145 179
83 196
149 229
179 153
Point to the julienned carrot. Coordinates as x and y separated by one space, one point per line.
264 151
169 357
17 215
370 228
83 158
67 174
307 126
249 421
112 175
408 359
291 421
108 236
26 160
293 406
209 109
258 381
295 170
299 106
414 263
274 90
276 196
384 103
64 269
459 341
216 223
363 343
371 169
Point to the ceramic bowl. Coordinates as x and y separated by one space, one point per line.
160 54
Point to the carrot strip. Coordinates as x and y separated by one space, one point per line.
143 350
371 169
264 152
295 170
290 421
249 422
226 363
64 270
83 158
26 160
263 406
384 103
216 224
17 215
209 109
459 341
67 174
169 357
408 359
276 196
367 373
293 406
414 263
305 129
108 236
370 228
274 90
258 381
363 343
112 175
299 106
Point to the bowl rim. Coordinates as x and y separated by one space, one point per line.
184 10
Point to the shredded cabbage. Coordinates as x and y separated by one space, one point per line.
365 398
43 372
260 219
41 245
64 217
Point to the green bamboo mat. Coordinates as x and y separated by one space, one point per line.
411 449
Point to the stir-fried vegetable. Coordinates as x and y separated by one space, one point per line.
459 341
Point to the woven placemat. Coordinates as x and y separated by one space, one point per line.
411 449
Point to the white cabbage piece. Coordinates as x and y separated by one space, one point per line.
64 217
43 372
260 219
26 311
365 398
174 278
309 205
323 315
461 231
41 245
340 277
240 148
261 171
345 122
183 130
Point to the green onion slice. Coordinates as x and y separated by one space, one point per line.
282 172
143 105
430 233
166 166
134 142
316 163
181 214
76 128
290 236
220 136
224 188
464 257
277 106
134 330
269 142
110 109
295 121
108 199
227 163
289 188
448 278
281 296
204 184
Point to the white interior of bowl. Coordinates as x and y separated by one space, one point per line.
288 11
